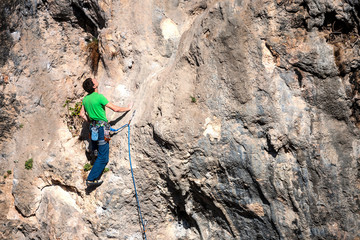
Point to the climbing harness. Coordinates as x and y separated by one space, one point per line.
94 131
132 173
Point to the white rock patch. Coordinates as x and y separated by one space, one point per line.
169 29
212 128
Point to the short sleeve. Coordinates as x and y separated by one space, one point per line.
103 100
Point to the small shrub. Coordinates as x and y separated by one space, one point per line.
87 167
193 99
106 170
21 125
73 111
94 54
72 118
29 164
66 103
8 172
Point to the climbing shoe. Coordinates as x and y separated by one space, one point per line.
94 183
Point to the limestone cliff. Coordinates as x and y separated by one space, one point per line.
246 126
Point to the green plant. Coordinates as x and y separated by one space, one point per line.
106 170
75 110
73 120
8 172
66 103
193 99
21 125
94 54
87 167
29 164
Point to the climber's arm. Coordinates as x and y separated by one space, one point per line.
117 108
82 114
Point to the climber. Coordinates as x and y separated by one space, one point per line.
93 111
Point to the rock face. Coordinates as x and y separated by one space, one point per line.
246 126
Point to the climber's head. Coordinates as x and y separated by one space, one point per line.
90 85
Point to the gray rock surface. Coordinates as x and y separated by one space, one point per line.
246 126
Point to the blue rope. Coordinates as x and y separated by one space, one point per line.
115 130
132 174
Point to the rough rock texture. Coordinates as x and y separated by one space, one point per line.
246 127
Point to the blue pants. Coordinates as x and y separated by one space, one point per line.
102 158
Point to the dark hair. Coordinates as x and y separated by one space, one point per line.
88 85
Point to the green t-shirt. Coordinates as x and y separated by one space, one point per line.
94 104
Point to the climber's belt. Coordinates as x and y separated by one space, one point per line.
97 123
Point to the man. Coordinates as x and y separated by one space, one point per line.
93 111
